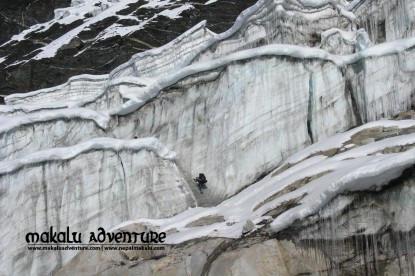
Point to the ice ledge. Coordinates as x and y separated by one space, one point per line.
138 96
338 140
145 88
102 143
372 175
8 123
68 90
157 51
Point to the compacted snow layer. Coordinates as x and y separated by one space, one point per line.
75 89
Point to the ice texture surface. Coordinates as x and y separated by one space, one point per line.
278 112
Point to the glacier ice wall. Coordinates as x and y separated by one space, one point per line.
233 105
23 134
340 201
231 114
199 93
384 86
75 89
386 20
98 183
231 127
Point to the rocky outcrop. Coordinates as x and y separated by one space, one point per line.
17 16
210 257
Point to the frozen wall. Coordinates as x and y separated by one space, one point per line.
246 115
232 128
99 183
75 89
233 105
386 20
24 134
383 86
253 108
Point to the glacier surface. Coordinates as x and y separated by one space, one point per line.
284 113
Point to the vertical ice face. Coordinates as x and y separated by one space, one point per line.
247 115
387 20
228 127
74 90
330 104
383 86
24 134
99 183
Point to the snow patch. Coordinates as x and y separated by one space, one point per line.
175 13
210 2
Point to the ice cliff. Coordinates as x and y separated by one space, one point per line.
284 112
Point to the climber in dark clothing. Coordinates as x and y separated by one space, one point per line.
201 182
